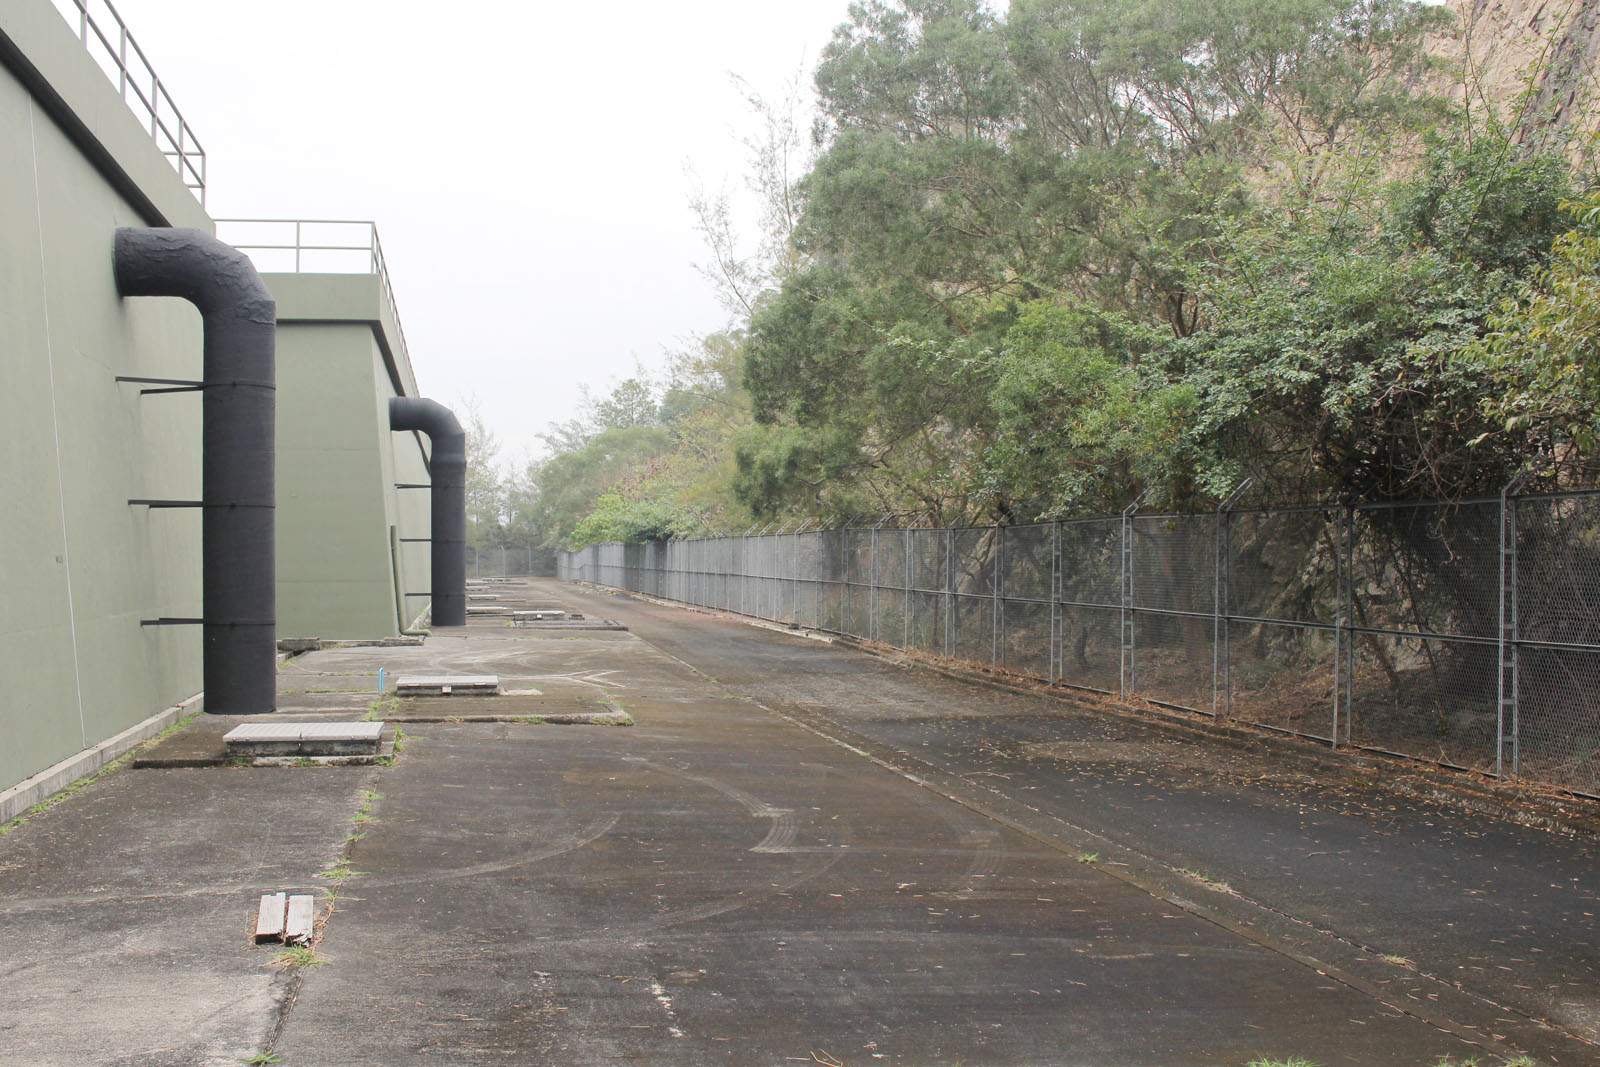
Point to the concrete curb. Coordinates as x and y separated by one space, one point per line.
550 718
1415 778
19 798
1410 777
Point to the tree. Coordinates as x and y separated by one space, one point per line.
1543 347
486 498
1045 263
1340 355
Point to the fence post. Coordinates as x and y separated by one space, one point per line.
949 589
1219 630
1125 679
997 606
1344 647
1221 653
1057 667
1506 679
905 618
794 576
872 591
844 579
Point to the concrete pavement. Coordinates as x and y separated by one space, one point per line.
1320 857
797 854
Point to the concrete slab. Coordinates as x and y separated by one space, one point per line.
677 895
304 738
412 685
1249 833
126 913
569 623
561 707
798 854
202 744
304 731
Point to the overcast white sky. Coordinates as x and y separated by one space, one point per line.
524 162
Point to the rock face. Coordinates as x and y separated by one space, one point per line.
1536 61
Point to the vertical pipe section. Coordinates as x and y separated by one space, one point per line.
448 471
239 584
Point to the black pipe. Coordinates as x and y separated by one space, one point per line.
448 468
238 586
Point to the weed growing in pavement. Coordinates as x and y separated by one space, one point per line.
338 871
262 1057
297 956
612 703
400 739
89 779
381 708
1088 857
363 815
1209 883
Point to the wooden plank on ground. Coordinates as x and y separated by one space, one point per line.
301 920
270 917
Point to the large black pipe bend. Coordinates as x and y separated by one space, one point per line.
448 468
237 465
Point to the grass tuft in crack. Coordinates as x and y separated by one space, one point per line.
400 739
297 956
1211 883
89 779
381 708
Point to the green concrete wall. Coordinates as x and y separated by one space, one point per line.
334 578
343 566
79 567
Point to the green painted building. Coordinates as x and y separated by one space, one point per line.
82 571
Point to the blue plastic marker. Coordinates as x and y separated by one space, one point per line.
380 679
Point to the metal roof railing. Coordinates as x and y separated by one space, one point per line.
315 246
114 50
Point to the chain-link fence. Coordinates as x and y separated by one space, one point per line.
506 561
1463 633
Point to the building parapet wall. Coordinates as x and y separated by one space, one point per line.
109 43
46 55
328 270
